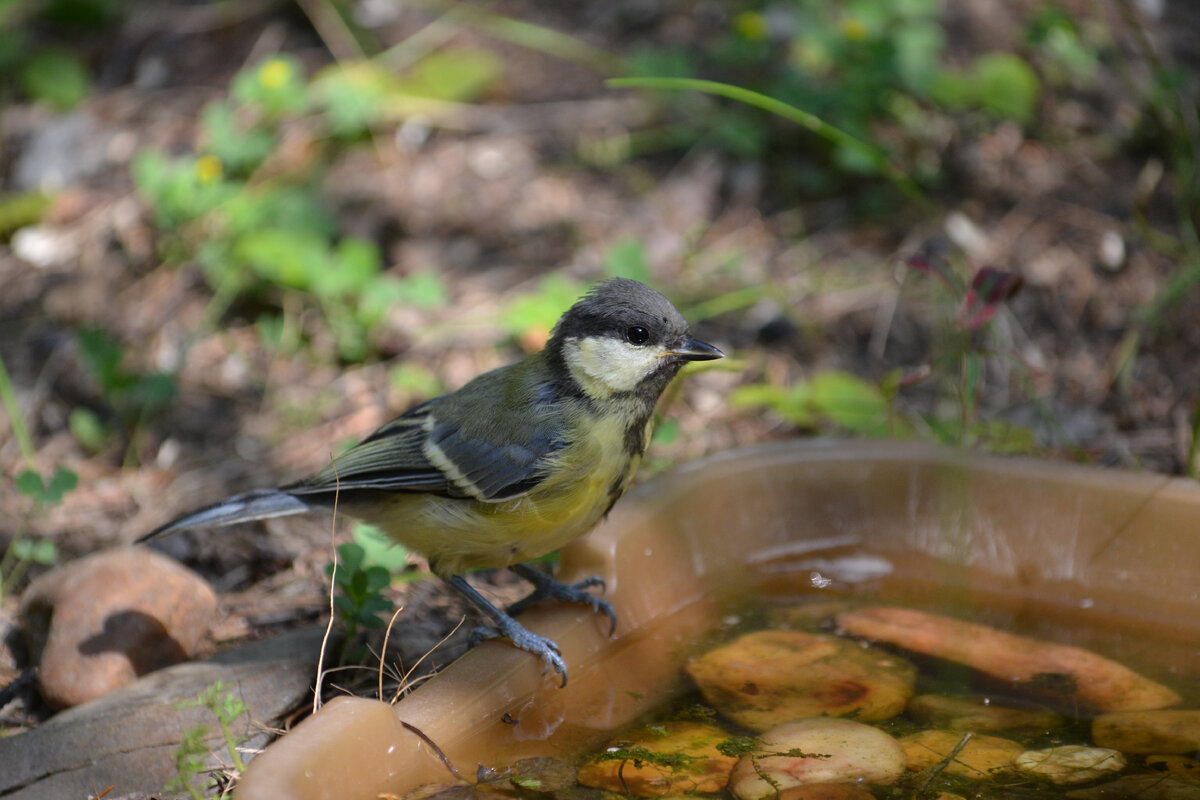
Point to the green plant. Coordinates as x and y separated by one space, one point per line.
965 352
867 77
23 552
189 762
248 207
841 402
190 757
38 55
829 398
358 587
134 397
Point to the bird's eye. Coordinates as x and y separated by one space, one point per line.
637 335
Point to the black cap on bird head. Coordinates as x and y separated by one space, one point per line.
612 307
624 334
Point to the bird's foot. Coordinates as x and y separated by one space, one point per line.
530 642
546 588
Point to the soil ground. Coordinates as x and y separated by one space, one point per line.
499 200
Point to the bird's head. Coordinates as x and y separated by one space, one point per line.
624 337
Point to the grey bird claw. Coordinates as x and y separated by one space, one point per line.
546 588
530 642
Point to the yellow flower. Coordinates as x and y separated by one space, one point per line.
275 73
854 30
751 25
209 169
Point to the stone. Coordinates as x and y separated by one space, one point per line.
982 757
1058 673
691 762
1165 732
770 677
1175 765
103 621
1070 763
127 738
1141 787
831 751
954 713
826 791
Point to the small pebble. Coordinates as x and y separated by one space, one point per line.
102 621
1070 763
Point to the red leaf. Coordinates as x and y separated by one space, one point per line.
936 266
989 289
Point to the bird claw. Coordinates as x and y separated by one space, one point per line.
540 646
546 588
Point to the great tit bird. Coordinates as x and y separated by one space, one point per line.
513 465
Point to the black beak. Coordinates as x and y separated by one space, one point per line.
695 350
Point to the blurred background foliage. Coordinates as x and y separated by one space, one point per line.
865 107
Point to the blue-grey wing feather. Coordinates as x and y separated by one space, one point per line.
498 450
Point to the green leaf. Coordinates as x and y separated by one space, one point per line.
350 558
240 151
454 75
1006 86
19 210
538 311
57 76
276 86
665 432
29 483
353 266
626 258
62 481
415 379
919 48
88 429
102 356
289 259
951 90
379 549
149 395
850 402
355 95
424 289
44 552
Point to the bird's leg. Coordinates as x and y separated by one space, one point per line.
546 588
508 628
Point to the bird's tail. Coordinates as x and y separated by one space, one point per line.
245 507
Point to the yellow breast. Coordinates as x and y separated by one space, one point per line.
461 534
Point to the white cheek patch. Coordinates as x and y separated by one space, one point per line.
604 365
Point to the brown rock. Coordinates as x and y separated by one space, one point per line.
101 622
953 713
1057 672
817 751
126 738
767 678
1142 787
691 762
1175 765
826 791
982 757
1071 763
1149 732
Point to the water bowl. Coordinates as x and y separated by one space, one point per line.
1101 558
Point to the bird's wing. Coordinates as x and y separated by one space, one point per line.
476 446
